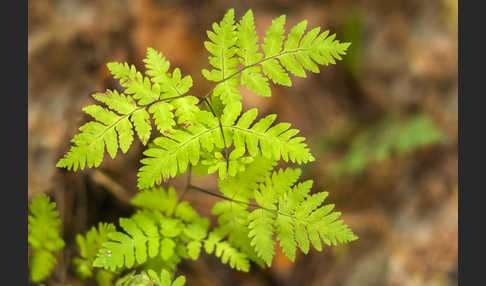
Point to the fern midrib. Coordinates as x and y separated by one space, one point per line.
257 133
114 124
295 51
183 143
192 139
240 202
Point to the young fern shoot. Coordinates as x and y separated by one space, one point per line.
260 205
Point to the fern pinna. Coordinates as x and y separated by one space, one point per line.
211 133
45 238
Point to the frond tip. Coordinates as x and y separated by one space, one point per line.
89 246
295 216
280 54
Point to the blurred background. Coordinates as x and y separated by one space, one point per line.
382 125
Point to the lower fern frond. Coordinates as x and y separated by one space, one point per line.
44 237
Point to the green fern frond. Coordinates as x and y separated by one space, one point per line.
141 241
215 137
248 52
172 86
226 252
164 279
247 40
166 100
150 278
222 48
149 234
89 246
157 199
275 143
299 52
111 130
296 216
241 186
272 45
390 135
144 237
261 232
174 152
41 264
135 83
44 237
233 225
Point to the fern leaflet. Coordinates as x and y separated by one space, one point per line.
44 237
173 153
89 246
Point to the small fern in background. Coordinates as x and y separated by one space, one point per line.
390 135
89 246
261 205
44 237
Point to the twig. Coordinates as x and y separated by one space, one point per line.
116 189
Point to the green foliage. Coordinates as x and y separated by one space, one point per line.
391 135
157 231
44 237
232 43
151 278
288 210
226 252
89 246
173 153
212 133
162 96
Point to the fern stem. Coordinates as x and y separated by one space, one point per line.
188 184
261 61
226 157
237 201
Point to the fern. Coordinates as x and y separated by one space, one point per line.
226 252
381 140
295 216
111 130
208 134
151 278
89 246
172 154
159 230
163 97
222 47
233 43
285 209
44 237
